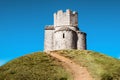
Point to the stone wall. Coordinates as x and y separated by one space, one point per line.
49 40
65 40
65 18
64 34
81 43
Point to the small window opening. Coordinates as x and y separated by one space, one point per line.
63 35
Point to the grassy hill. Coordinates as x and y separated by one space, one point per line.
36 66
100 66
40 66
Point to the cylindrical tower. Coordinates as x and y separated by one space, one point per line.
81 43
65 38
49 38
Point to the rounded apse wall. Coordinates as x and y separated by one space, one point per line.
81 43
65 40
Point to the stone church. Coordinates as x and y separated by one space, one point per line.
64 34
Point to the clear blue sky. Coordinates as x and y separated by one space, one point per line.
22 25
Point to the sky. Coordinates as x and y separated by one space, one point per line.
22 24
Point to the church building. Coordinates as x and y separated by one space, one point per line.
65 33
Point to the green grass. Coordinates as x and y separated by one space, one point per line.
36 66
100 66
40 66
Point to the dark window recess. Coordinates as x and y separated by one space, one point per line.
63 35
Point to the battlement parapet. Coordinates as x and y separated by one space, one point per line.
66 18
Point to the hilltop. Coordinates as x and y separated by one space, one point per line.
35 66
41 66
100 66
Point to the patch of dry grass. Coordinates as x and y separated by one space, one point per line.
36 66
100 66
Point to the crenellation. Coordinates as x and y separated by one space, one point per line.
55 19
74 12
65 33
65 18
68 11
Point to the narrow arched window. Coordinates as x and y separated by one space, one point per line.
63 35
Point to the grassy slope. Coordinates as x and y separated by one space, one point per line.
37 66
100 66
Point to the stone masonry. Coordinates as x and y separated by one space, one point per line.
64 34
